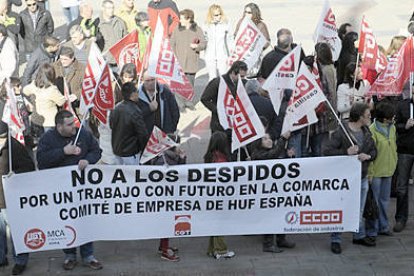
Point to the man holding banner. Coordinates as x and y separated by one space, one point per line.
56 149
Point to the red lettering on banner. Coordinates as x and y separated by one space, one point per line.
88 84
303 85
166 60
243 44
155 146
229 106
321 217
330 18
289 64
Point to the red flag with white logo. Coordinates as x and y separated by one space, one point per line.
127 50
12 116
68 104
156 145
372 58
93 72
225 105
249 43
327 32
283 77
104 99
392 80
306 97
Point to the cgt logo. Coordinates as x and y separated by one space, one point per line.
321 217
34 238
182 225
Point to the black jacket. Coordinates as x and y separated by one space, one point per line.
39 57
264 108
50 150
129 134
260 153
209 98
339 143
405 137
33 37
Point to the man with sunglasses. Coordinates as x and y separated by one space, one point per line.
35 24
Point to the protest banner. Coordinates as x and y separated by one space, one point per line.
65 207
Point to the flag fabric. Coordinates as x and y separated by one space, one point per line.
225 105
306 97
327 32
310 119
372 58
93 72
392 80
68 104
104 99
12 116
156 145
162 61
185 90
127 50
249 44
247 126
283 77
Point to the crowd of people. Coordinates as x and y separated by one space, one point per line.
376 129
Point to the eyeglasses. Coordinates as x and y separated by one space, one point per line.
248 12
218 14
32 5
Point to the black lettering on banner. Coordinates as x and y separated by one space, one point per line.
209 175
118 176
224 174
294 170
278 171
273 188
238 172
94 176
194 175
123 207
172 176
262 172
241 204
216 205
250 189
63 197
84 211
34 201
156 176
138 177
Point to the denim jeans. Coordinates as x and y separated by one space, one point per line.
381 188
21 259
337 237
71 13
128 160
314 149
86 252
404 165
295 142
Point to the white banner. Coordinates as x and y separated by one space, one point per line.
64 208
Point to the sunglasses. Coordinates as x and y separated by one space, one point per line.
218 14
32 5
248 12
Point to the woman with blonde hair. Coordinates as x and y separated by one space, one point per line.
219 41
395 45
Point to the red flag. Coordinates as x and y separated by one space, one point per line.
392 80
372 58
104 99
68 104
126 50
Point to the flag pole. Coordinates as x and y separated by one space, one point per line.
10 148
80 127
357 59
340 123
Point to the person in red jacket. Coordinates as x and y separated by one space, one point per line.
167 11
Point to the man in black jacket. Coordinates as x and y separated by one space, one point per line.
209 97
35 24
129 134
57 149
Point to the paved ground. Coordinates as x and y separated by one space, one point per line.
312 256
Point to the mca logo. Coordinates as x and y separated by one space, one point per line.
182 225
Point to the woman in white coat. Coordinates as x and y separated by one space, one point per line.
219 41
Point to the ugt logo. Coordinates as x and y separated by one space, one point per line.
182 225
